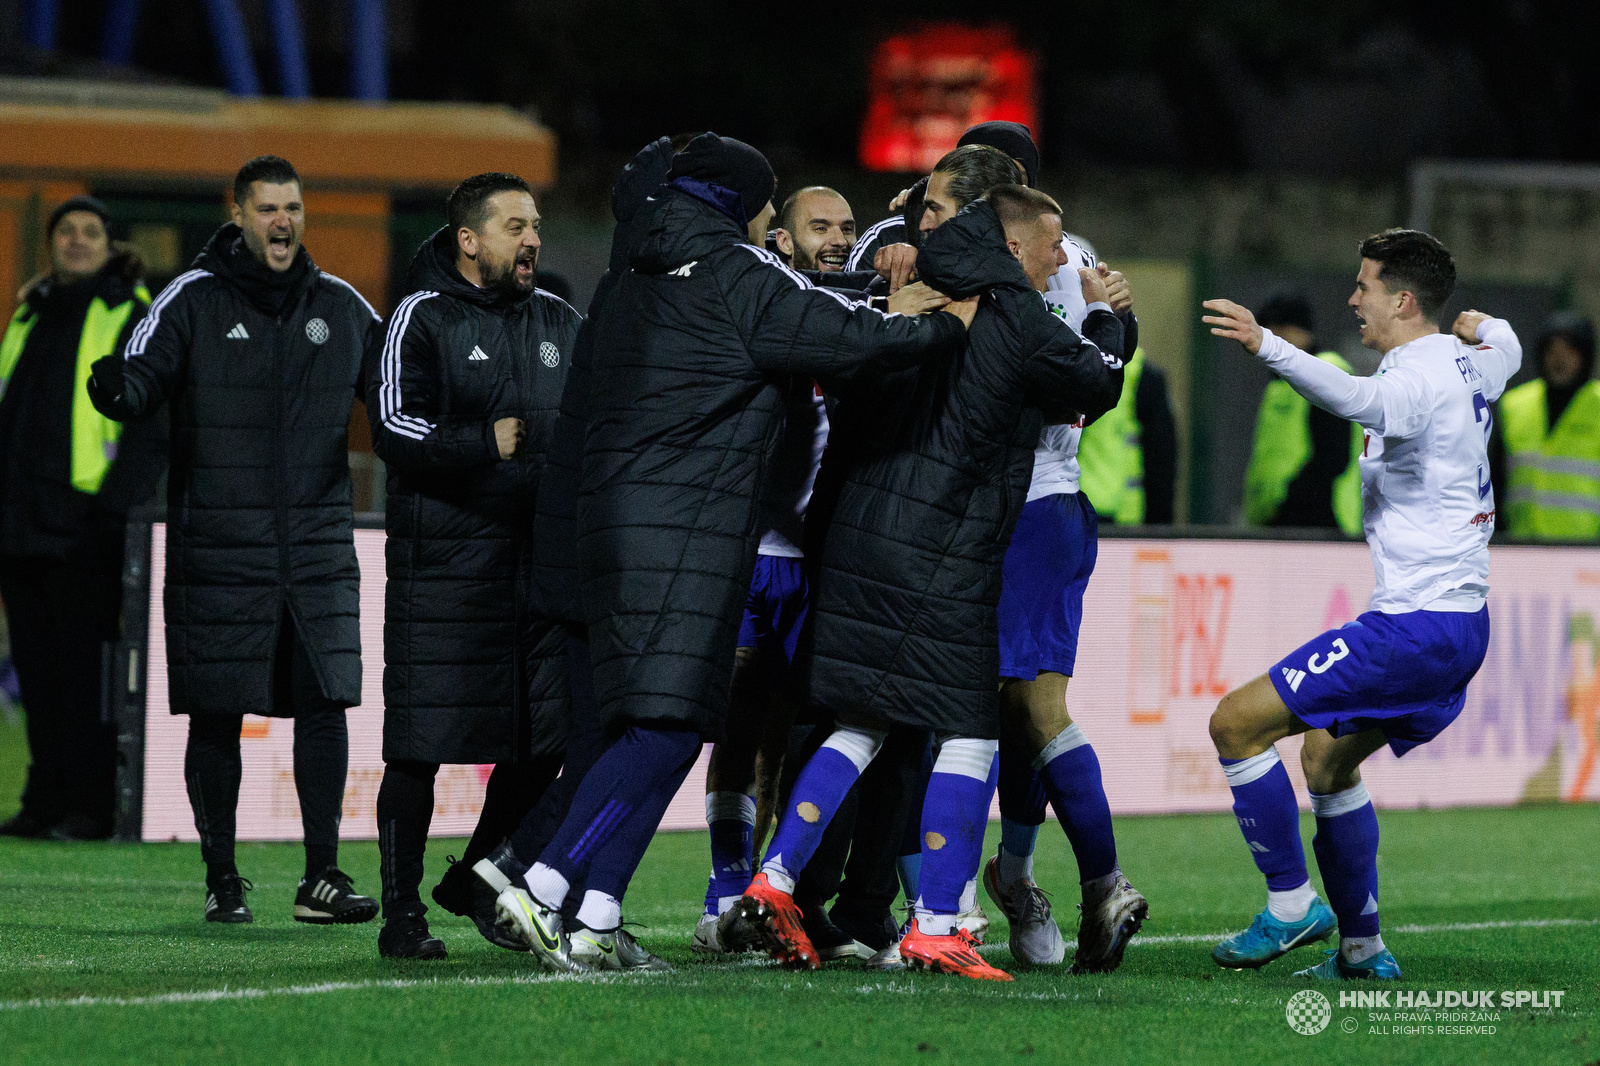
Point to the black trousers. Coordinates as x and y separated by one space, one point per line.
59 616
405 809
524 801
212 767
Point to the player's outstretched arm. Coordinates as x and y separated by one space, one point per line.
1358 399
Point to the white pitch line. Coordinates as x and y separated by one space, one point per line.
219 995
1448 927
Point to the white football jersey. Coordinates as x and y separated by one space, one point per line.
1055 461
794 472
1427 502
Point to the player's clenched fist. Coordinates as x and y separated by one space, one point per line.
1467 323
1234 322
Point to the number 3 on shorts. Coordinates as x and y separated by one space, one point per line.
1340 650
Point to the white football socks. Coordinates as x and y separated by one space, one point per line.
546 885
1354 949
600 912
1292 905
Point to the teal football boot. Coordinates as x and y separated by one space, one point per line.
1268 939
1380 967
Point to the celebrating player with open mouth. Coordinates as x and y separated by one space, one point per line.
1398 674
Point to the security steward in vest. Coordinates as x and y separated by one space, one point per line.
1128 459
257 355
68 476
1547 448
1304 471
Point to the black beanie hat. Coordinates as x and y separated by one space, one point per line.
720 166
1286 309
78 203
1012 138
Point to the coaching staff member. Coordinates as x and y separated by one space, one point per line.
462 398
257 355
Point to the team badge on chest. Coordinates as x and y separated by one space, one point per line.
549 354
317 331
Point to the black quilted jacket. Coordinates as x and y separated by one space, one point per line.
259 377
920 490
697 345
471 674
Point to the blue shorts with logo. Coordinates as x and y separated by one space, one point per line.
1046 570
775 609
1405 674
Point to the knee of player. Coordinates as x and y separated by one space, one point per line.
1228 727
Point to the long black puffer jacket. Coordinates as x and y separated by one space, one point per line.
922 484
555 565
695 350
471 673
259 372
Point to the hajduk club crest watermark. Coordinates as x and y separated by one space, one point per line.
317 331
1309 1012
549 354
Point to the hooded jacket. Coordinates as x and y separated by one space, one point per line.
923 481
258 372
555 568
695 350
46 511
471 674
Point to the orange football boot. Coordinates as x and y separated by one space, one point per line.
776 916
955 954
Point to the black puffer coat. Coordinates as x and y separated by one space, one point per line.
471 675
934 466
555 565
259 373
692 358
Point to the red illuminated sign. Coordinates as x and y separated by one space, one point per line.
929 85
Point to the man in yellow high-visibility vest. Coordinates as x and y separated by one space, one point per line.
1546 451
1303 471
68 476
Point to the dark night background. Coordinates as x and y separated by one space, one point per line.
1359 87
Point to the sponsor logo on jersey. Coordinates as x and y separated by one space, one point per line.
478 355
239 333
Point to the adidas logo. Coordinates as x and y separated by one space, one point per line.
324 892
1294 677
478 355
1257 846
239 333
683 271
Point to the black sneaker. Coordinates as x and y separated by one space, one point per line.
330 900
454 890
484 882
872 926
225 900
407 937
831 942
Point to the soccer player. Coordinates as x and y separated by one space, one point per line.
816 229
1044 755
1398 674
909 581
697 343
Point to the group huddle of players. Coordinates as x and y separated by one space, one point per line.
906 502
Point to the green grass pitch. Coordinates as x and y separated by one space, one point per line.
104 958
